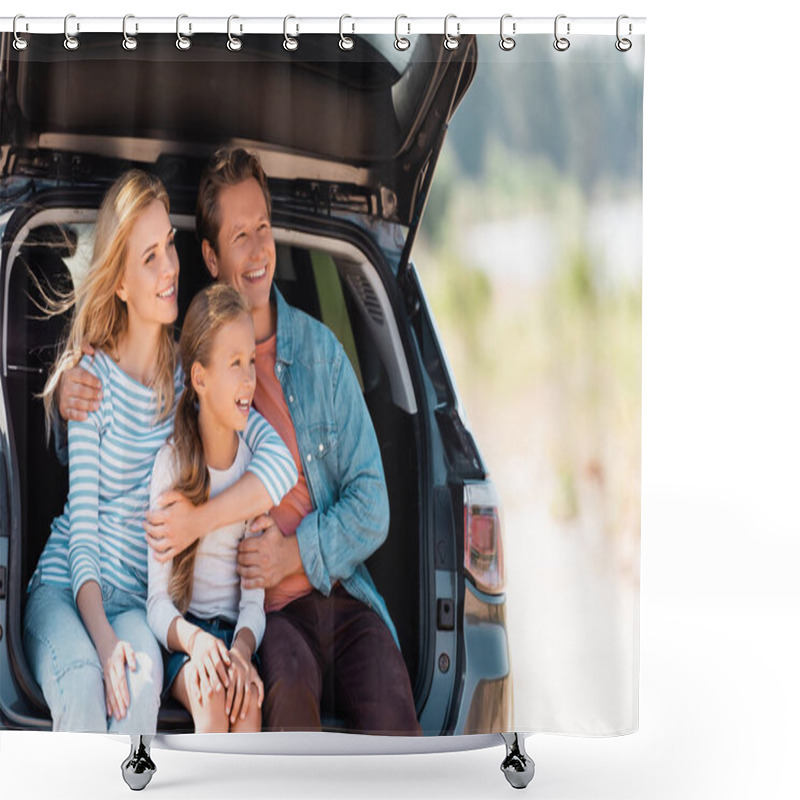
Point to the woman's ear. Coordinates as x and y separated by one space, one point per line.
199 378
210 257
122 292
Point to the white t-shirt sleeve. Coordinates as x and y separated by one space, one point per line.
251 608
161 611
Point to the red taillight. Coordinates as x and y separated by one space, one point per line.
483 538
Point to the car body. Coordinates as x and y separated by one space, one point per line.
349 146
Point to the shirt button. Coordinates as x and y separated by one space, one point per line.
321 448
278 369
291 398
308 457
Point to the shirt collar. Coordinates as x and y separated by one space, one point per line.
284 349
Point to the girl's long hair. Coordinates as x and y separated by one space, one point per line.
208 312
100 317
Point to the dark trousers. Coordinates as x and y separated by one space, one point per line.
334 653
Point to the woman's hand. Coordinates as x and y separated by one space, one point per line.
243 679
211 659
172 527
114 658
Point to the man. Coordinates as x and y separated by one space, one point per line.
328 634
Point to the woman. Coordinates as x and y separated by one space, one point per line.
85 633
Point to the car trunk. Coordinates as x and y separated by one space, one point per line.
319 274
371 124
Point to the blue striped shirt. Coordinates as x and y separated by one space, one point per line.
100 535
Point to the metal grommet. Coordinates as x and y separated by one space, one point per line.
623 45
70 42
451 42
289 42
346 42
19 42
182 42
506 42
129 42
234 44
400 42
561 43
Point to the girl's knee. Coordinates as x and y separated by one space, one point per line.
210 717
251 723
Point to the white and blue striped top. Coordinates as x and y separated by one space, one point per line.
100 535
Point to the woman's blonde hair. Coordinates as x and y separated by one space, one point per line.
208 312
100 317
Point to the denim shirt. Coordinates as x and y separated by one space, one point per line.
341 458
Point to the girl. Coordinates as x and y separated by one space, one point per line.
86 635
195 604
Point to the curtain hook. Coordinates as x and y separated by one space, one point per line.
70 42
19 42
623 45
451 42
289 42
561 43
234 43
129 42
400 42
182 42
507 42
346 42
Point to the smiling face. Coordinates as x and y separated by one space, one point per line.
227 384
245 254
149 285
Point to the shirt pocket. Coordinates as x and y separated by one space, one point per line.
322 439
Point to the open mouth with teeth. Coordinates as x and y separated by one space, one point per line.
243 404
168 293
255 274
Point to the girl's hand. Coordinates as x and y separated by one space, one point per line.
114 658
243 680
211 659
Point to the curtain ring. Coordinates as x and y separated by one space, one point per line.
561 43
19 42
346 42
400 42
70 42
234 44
289 43
506 42
129 42
182 42
451 42
623 45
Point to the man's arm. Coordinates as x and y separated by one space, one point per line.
335 541
270 474
78 394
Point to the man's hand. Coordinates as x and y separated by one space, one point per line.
78 391
265 560
173 526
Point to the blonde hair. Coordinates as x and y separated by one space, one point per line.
100 317
209 311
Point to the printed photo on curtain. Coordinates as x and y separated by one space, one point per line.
254 476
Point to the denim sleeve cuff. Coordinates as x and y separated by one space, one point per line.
311 554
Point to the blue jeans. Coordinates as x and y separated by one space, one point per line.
65 663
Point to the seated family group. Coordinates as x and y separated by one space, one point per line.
224 491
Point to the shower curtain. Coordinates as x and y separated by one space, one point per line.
457 230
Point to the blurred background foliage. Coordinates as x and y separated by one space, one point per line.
530 253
